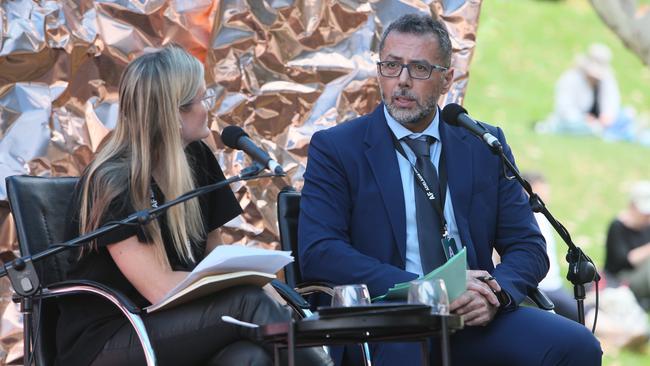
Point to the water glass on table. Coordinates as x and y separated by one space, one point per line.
350 295
431 292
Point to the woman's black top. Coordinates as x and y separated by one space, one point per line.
87 322
620 241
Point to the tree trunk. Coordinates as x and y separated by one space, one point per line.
630 24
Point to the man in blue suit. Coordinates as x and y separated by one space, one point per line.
364 220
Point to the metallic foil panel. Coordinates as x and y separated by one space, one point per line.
282 69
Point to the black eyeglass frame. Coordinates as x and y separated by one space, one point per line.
408 66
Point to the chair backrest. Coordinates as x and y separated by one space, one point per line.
39 208
288 212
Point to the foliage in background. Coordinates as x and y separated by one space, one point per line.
522 48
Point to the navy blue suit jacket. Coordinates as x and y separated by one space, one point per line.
352 226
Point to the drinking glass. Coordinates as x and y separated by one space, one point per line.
430 292
351 295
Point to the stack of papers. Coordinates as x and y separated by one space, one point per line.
235 258
226 266
231 258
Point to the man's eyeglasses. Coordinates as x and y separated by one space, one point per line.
416 70
208 100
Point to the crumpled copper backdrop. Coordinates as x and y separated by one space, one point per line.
282 70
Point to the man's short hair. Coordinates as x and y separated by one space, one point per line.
421 24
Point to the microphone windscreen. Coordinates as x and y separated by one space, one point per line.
451 112
231 134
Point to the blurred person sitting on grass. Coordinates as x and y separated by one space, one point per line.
588 101
628 244
552 284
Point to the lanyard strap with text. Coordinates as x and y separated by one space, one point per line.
439 202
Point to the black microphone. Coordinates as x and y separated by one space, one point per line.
235 138
456 115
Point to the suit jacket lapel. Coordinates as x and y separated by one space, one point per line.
458 158
383 163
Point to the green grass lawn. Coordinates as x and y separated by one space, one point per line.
522 48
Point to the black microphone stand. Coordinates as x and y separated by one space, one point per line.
24 278
581 268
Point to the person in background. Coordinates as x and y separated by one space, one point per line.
588 101
565 304
628 244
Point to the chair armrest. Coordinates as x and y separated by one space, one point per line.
308 288
71 287
126 306
294 297
290 295
540 299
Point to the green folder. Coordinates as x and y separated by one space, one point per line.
453 272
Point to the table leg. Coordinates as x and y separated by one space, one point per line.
424 347
366 354
444 342
276 354
291 343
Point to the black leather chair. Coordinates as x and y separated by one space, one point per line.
39 206
288 212
288 207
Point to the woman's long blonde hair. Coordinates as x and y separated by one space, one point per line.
147 139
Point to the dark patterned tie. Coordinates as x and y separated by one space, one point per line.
428 220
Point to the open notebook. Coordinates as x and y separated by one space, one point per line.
226 266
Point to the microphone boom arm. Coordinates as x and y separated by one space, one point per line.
490 140
582 269
16 266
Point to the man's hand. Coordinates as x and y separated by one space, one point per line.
478 304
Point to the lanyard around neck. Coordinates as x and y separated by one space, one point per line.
437 199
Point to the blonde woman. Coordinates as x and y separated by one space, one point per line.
155 154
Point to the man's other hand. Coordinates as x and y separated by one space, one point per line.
478 304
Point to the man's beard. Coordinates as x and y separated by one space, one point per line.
411 116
